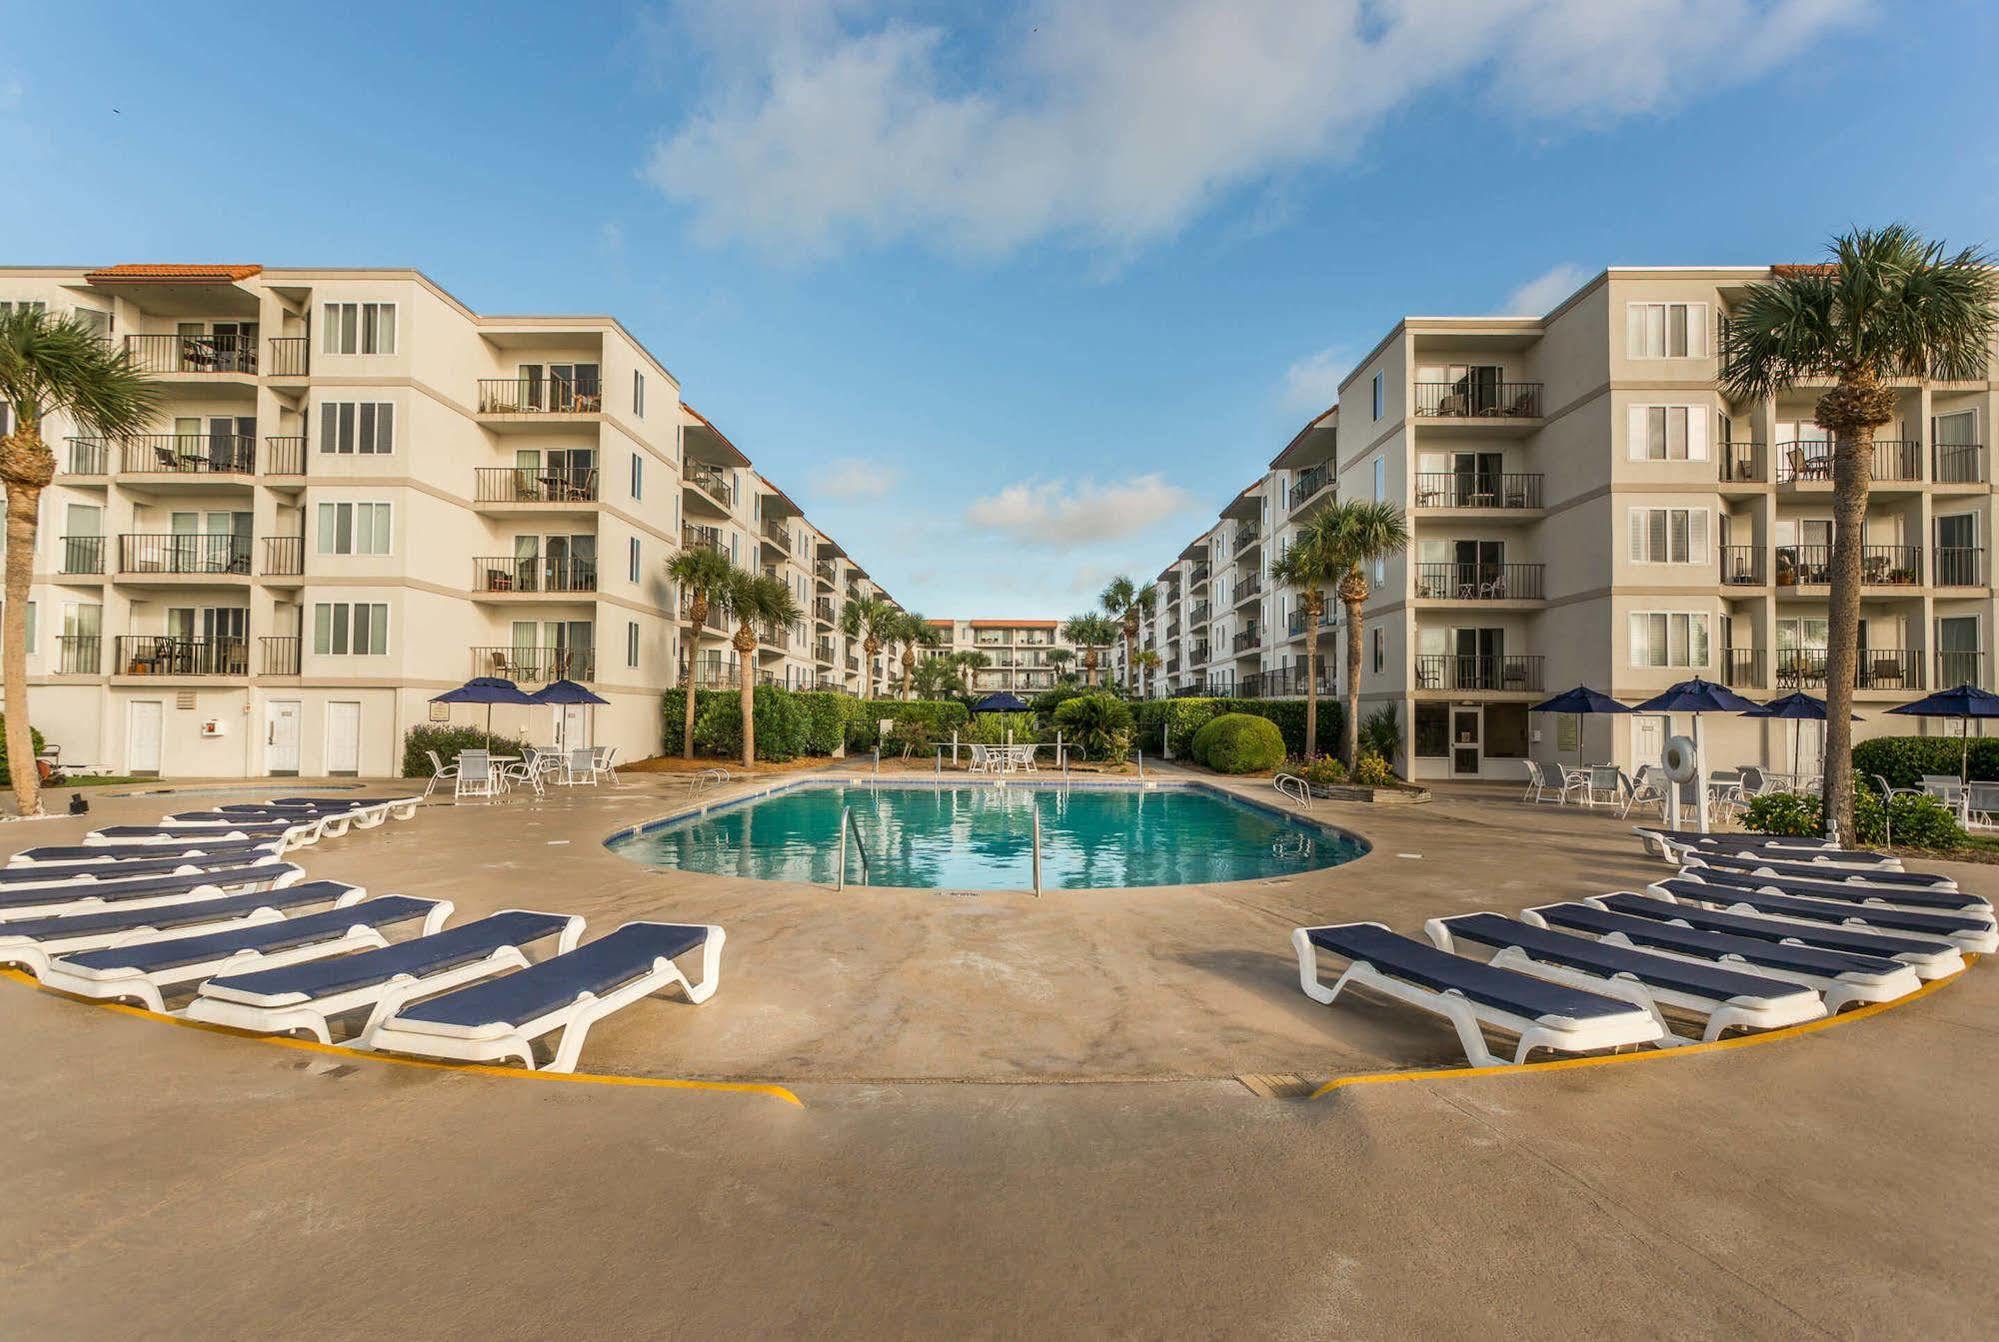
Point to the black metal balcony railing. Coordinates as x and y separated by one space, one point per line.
1960 668
712 484
777 534
702 538
535 666
165 655
823 652
193 353
187 454
1880 565
1308 483
1480 582
280 655
1876 669
1451 671
284 454
1200 575
825 571
1742 667
536 574
83 554
79 655
1199 654
534 484
1249 585
1173 630
155 553
1248 534
1247 639
539 396
1473 489
1200 614
87 456
1466 399
1742 565
1284 682
853 662
1958 567
284 556
1327 619
1958 464
822 609
290 356
1740 462
1895 459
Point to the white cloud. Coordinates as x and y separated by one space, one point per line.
855 478
1536 297
1115 123
1066 515
1313 382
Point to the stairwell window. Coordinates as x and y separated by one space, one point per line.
1669 535
1665 330
364 427
354 528
350 629
638 476
1669 639
638 394
1378 396
631 643
632 556
358 328
1667 433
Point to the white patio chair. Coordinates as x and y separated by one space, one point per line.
607 761
476 776
579 766
981 759
1548 777
1603 785
1946 788
525 771
1648 789
439 771
1980 810
1025 755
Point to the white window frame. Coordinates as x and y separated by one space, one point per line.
1650 325
1639 639
352 421
632 643
1380 395
638 393
638 475
1645 424
1695 536
632 547
328 544
335 623
357 328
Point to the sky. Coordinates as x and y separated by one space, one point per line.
1010 297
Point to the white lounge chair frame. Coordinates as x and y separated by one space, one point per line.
1467 1016
36 956
67 900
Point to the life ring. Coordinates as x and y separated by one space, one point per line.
1677 758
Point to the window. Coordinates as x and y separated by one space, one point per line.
1378 389
638 393
10 306
358 328
632 643
638 476
365 427
1665 330
1380 479
1667 433
632 556
1379 660
356 629
1669 535
354 528
1668 638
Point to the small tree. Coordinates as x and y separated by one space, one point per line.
872 620
1310 567
1354 534
1059 658
1092 633
701 574
913 632
755 600
1148 663
1130 605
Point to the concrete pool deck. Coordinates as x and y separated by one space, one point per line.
163 1180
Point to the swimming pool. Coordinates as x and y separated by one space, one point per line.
981 838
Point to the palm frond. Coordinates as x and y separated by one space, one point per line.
52 365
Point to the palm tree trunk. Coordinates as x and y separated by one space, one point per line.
23 509
1130 660
1311 683
746 679
1852 471
871 646
908 660
1350 720
697 613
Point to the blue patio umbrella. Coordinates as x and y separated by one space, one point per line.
1582 699
565 692
487 690
1797 707
1965 703
1001 702
1696 697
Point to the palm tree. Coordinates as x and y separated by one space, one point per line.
1148 662
1310 567
912 631
753 600
1888 304
938 675
1059 658
701 574
1129 604
872 620
1353 535
49 366
970 662
1090 632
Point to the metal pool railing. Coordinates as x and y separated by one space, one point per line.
847 826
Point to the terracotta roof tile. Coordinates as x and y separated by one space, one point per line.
215 274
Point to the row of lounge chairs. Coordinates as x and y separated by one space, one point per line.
1750 934
204 903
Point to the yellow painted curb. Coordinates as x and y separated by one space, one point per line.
1646 1055
478 1069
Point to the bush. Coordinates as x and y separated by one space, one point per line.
1903 760
1239 743
1181 719
780 725
1380 733
446 741
826 717
1786 814
912 721
34 739
1326 771
1096 726
1915 822
990 729
1371 770
1045 703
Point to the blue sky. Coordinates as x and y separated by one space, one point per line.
1010 303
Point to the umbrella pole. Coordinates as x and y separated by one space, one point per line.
1700 775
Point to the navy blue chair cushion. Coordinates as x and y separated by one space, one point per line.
594 967
1398 956
151 956
417 957
1657 971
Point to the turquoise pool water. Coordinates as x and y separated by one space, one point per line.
980 838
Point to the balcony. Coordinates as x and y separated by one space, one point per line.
1449 671
822 609
79 655
702 538
166 655
1198 655
1200 614
1308 484
1480 582
826 572
284 556
540 396
1247 640
534 484
284 454
714 486
291 356
823 652
1465 399
1742 566
187 454
535 666
533 574
1957 567
171 354
1326 618
1957 464
1880 565
1250 585
1200 575
280 655
82 554
1896 460
1472 489
1960 668
87 456
853 662
1246 535
173 555
1877 669
1739 463
1284 682
1743 668
713 673
777 537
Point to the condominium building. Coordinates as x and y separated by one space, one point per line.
1589 506
1021 656
358 494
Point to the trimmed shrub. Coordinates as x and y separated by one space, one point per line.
825 718
1903 760
1098 726
34 739
446 741
1239 743
1786 814
1371 770
1182 718
718 724
1916 822
1045 703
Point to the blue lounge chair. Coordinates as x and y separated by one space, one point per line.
36 941
1857 890
330 825
1727 999
1930 959
1842 977
184 836
192 846
1471 995
307 996
399 807
1673 844
60 873
1760 860
144 970
1965 933
499 1020
54 901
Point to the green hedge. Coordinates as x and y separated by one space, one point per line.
1239 743
1917 822
918 723
34 738
446 741
1903 760
1185 717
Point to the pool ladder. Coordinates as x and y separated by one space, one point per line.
847 826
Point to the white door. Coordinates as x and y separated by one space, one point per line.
1467 740
343 738
1648 739
281 722
573 725
143 723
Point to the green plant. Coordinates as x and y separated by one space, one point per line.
1326 771
873 621
1172 723
1309 566
1096 726
1092 633
34 735
756 601
1381 733
1911 821
1353 533
1239 743
1371 770
1045 703
825 717
1903 760
1784 813
446 741
700 573
1130 605
778 729
990 729
932 720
